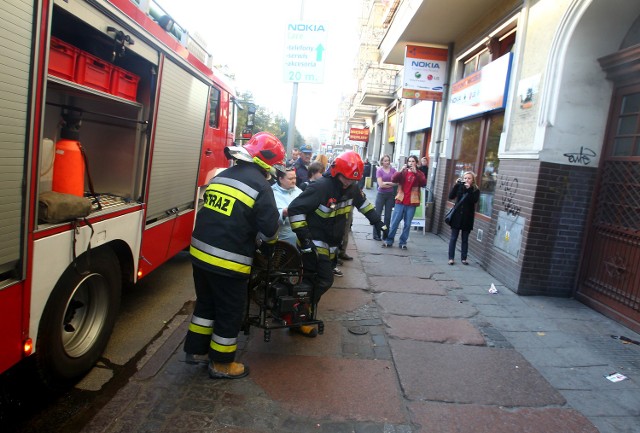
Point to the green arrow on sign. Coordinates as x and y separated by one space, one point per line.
319 50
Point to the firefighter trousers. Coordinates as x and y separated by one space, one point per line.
318 270
218 315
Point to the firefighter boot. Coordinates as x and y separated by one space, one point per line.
228 370
306 330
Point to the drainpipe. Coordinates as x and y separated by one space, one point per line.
440 135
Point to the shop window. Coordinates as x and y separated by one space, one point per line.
214 108
496 47
417 140
476 149
627 136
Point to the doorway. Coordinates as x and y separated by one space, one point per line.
610 276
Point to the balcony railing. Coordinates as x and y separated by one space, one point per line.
359 111
378 86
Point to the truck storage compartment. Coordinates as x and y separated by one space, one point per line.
110 89
124 83
112 134
93 72
63 58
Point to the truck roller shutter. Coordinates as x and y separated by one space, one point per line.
178 140
15 64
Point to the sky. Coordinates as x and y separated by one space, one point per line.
249 37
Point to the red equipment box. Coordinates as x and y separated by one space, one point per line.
93 72
124 84
62 59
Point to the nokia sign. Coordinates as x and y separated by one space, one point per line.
423 64
305 28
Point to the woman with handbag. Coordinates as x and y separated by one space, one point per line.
466 193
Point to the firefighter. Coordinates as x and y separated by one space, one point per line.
318 216
239 207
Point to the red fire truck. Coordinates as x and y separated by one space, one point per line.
124 82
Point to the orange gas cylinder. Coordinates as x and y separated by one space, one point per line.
68 168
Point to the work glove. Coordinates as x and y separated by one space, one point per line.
380 226
267 249
307 246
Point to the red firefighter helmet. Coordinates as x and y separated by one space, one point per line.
349 164
263 149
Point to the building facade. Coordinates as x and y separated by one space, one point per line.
542 102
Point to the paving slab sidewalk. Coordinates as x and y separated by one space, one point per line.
410 345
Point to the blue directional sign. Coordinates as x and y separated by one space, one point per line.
304 52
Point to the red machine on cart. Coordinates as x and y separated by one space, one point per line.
278 295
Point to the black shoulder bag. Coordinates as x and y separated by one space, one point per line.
450 212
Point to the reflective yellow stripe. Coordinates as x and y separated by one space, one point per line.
323 251
232 192
298 225
322 214
346 210
334 213
367 208
219 252
221 263
223 349
200 329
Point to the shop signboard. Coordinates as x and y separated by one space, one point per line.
359 134
484 90
425 71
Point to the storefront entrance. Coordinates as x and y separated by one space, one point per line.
610 277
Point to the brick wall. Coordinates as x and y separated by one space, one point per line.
556 231
553 200
514 194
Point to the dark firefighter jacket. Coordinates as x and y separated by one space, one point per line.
320 212
238 204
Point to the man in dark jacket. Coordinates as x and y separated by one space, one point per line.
238 206
302 164
319 216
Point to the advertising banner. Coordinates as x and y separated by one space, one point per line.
425 71
359 134
482 91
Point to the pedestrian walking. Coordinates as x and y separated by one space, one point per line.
319 216
238 206
466 193
284 191
409 181
384 196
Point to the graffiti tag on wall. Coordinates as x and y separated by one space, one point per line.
509 187
582 157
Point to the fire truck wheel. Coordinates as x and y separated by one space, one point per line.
78 318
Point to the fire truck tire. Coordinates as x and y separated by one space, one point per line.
78 318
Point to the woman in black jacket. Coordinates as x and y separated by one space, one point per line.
462 219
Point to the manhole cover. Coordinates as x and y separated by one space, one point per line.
358 330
